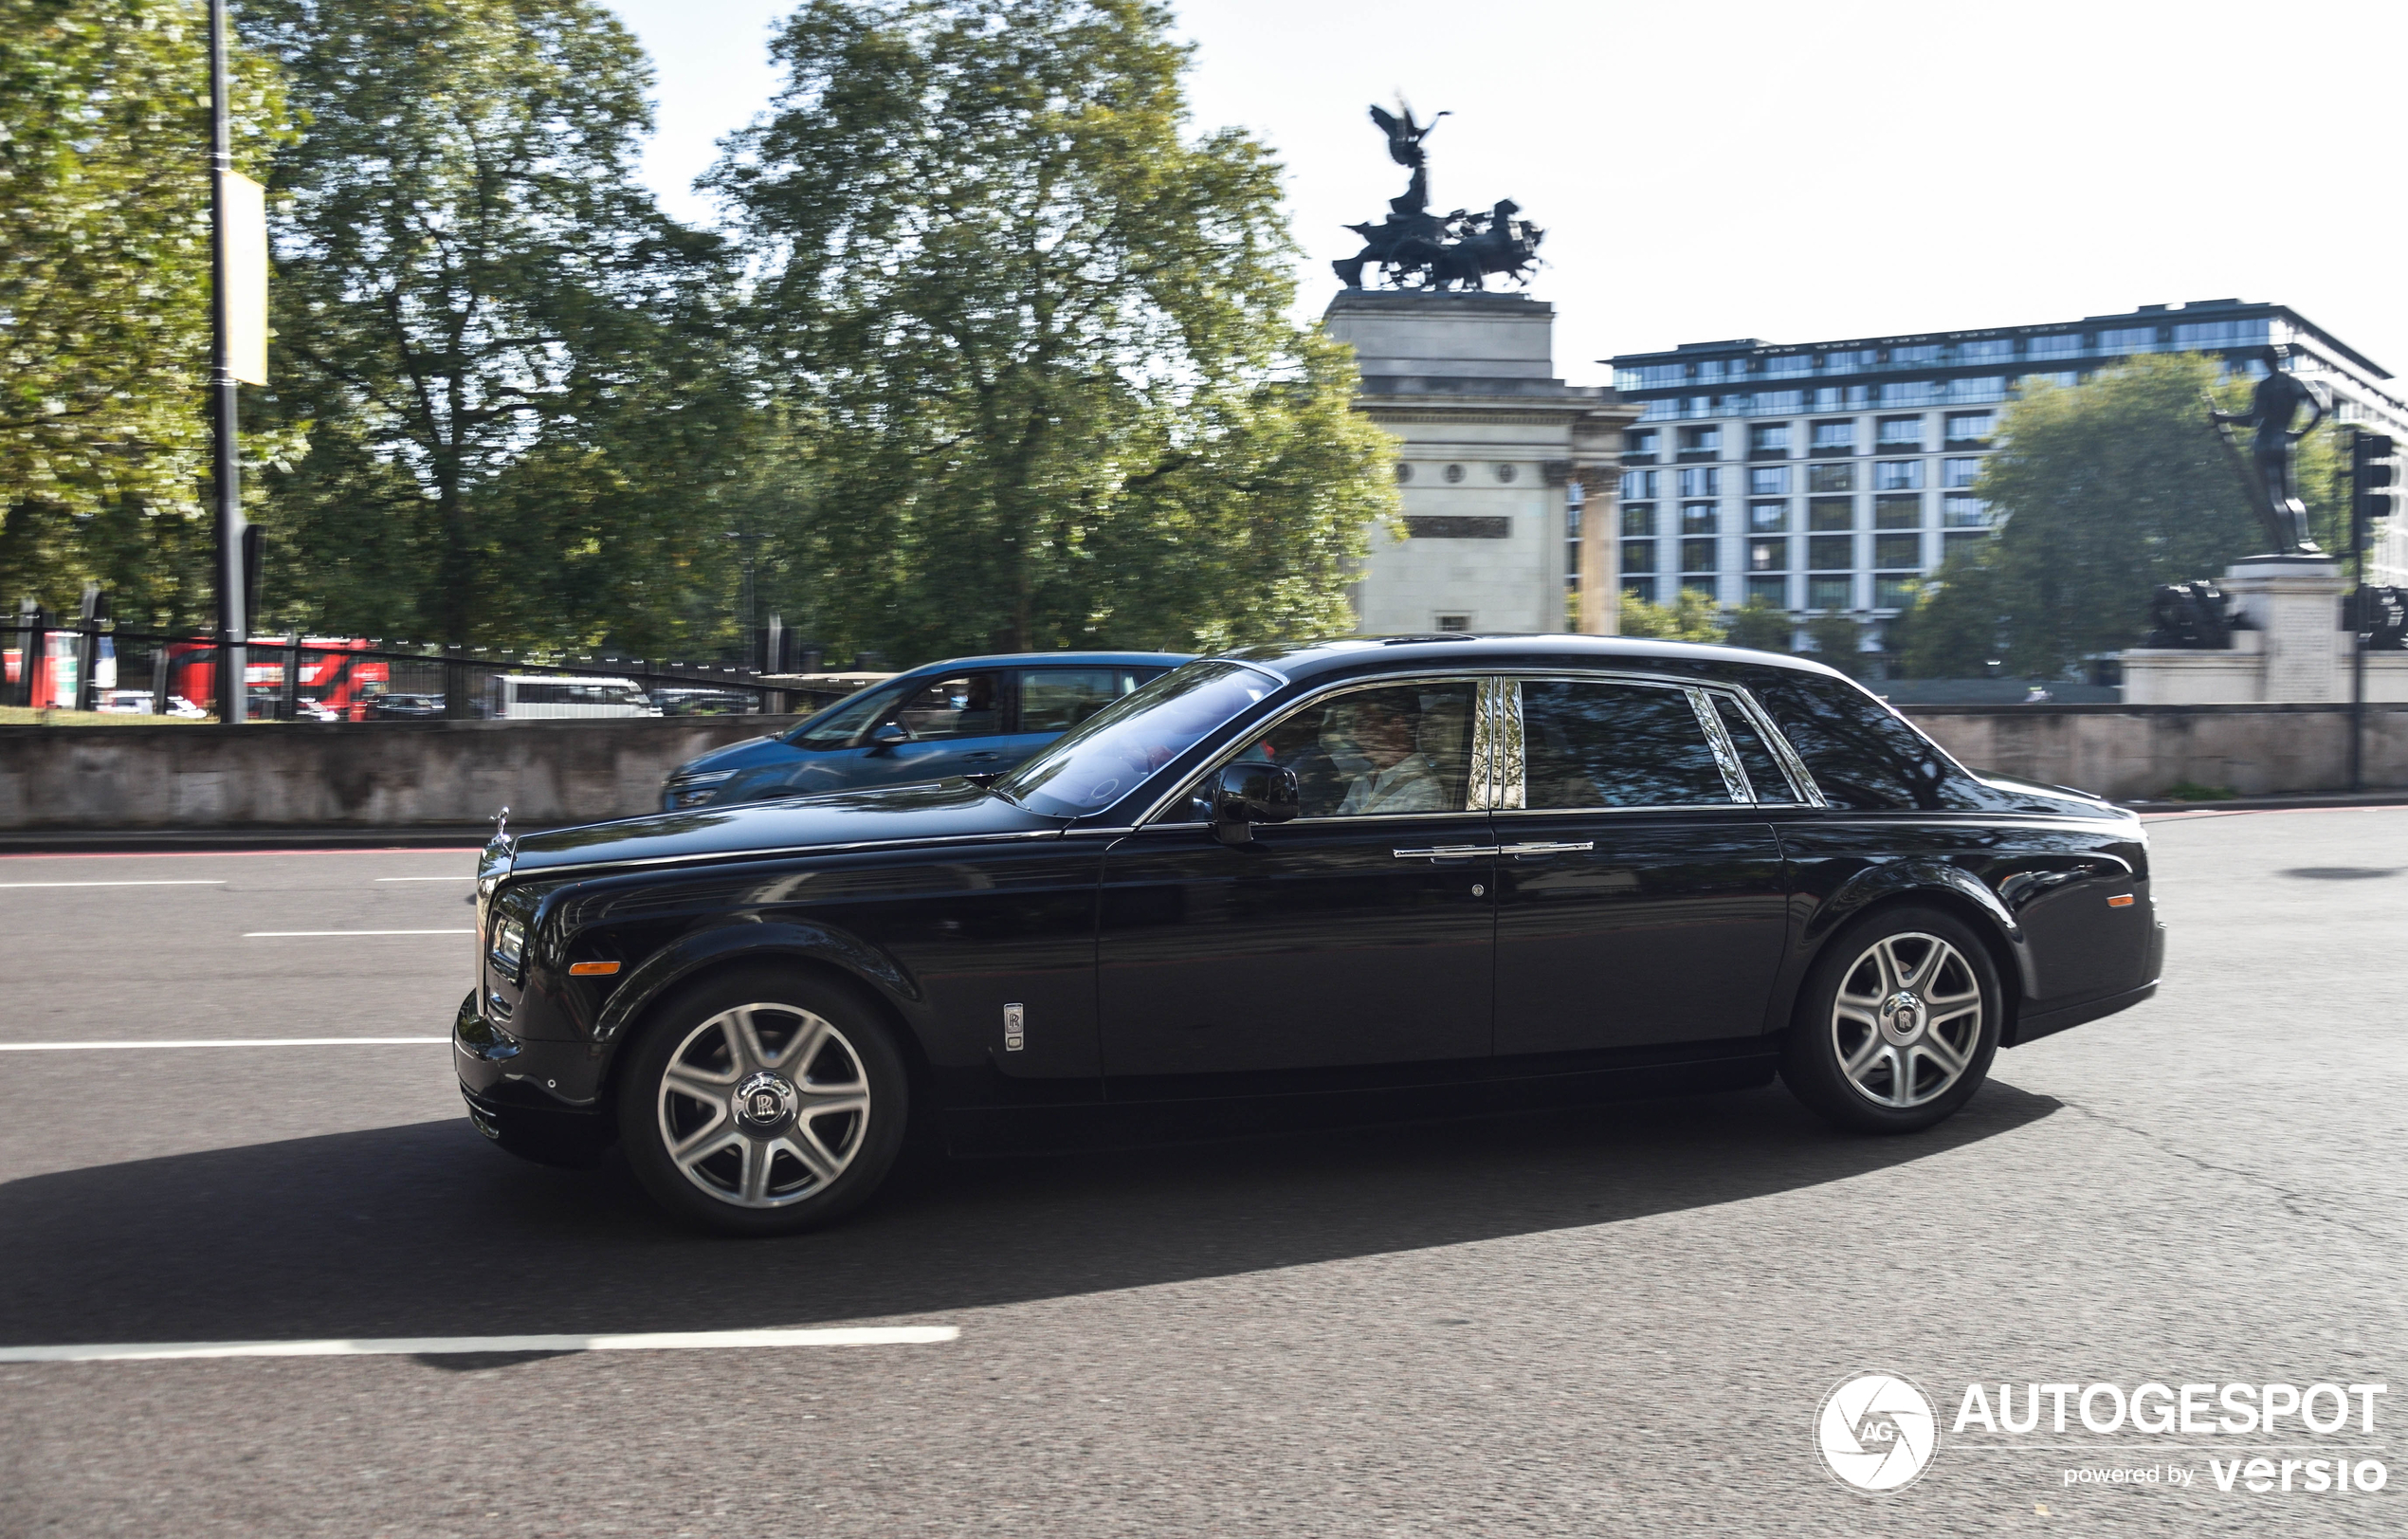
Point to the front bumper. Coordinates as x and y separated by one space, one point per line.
538 1100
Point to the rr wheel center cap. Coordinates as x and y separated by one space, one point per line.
764 1102
1903 1017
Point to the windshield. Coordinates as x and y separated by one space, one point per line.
1107 756
840 723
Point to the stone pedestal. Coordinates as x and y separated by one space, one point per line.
1490 441
2294 649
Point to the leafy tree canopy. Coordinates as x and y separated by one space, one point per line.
1040 333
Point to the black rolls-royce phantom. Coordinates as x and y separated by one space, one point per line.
1522 865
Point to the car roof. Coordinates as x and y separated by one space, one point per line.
1064 659
1302 660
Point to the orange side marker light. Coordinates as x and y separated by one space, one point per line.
2121 899
604 969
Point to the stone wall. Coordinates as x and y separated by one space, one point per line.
337 774
455 774
2129 752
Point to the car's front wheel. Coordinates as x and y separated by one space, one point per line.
760 1103
1897 1024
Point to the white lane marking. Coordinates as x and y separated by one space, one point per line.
425 878
187 881
287 935
223 1043
658 1340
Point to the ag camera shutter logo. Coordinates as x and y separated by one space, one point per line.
1877 1432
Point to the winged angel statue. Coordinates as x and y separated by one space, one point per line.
1414 248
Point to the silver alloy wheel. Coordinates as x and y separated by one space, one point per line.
763 1105
1907 1020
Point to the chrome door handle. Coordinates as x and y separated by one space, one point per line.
1447 852
1550 847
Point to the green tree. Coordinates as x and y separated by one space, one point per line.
528 427
104 295
1762 624
1040 333
1837 641
1952 631
2105 490
1690 616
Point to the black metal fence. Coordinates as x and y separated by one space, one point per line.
88 664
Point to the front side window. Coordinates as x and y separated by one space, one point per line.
1109 755
840 724
1614 745
962 705
1378 753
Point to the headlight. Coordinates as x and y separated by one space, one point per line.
682 789
509 949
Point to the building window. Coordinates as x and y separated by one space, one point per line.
1454 473
1831 553
1404 474
1505 474
1699 556
1958 473
1770 403
1992 388
1895 591
1772 590
1789 365
1637 484
1656 410
1454 622
1898 475
1827 513
1960 512
1701 519
1768 441
1707 442
1700 481
1902 510
1897 551
1767 517
1638 518
1900 435
1638 556
1921 353
1638 444
1848 362
1971 427
1836 398
2069 378
1769 481
1835 438
2220 334
2063 345
1639 587
2129 339
1831 478
1985 348
1910 393
1768 555
1956 544
1702 583
1829 593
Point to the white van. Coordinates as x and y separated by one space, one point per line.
526 697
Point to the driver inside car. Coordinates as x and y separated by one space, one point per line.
1401 778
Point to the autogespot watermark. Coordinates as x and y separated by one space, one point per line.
1879 1432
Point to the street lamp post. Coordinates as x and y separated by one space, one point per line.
233 624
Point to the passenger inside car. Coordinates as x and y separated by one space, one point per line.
1378 752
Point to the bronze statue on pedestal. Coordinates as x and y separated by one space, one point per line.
2275 488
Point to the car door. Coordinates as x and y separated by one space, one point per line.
1359 933
1641 896
956 721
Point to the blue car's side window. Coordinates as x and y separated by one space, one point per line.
1054 700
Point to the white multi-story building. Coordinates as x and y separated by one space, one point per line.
1831 477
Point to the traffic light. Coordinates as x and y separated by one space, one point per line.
2370 478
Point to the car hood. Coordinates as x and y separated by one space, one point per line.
749 754
943 810
2036 796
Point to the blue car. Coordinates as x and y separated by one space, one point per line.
966 716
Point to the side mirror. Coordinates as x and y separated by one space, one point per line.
1244 794
889 734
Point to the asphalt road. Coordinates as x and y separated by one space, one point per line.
1618 1321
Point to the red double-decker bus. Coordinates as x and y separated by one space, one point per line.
332 674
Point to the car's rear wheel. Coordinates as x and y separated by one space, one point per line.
1897 1024
763 1103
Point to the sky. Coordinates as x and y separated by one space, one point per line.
1710 169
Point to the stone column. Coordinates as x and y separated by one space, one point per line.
2295 604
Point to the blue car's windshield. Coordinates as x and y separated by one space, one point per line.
840 723
1108 754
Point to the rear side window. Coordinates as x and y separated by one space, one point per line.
1764 775
1058 699
1864 758
1614 745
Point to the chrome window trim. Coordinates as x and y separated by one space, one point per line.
1472 791
1725 752
1801 785
1690 689
1498 776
